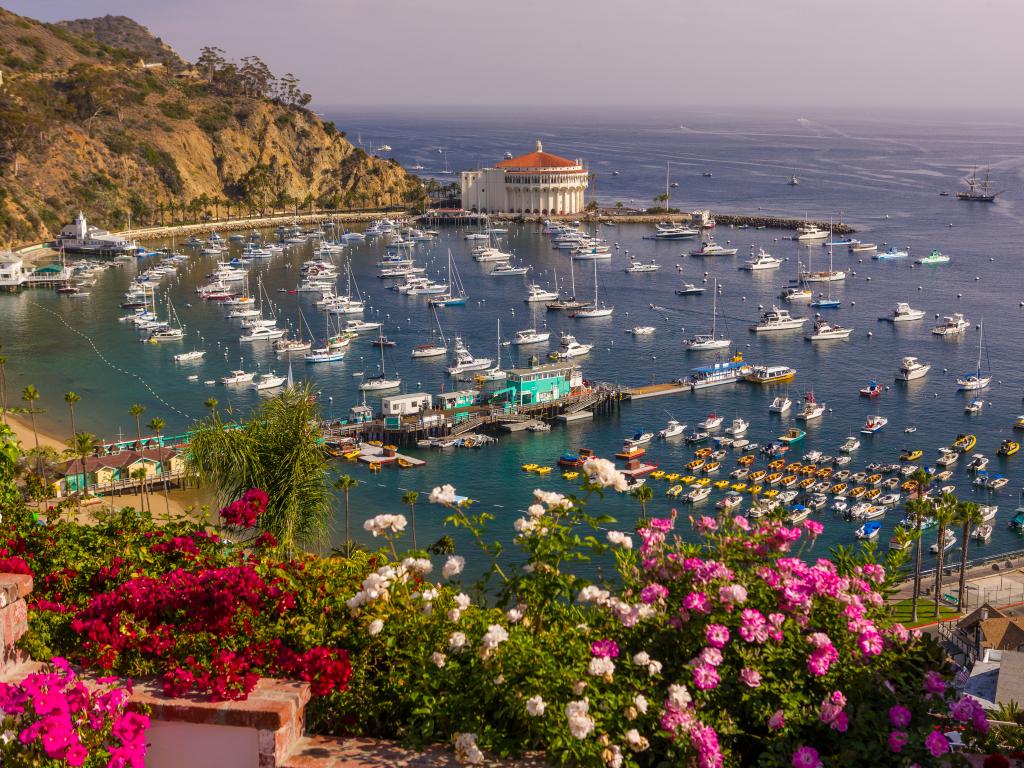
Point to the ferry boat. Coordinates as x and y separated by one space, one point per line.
932 259
711 248
911 368
903 313
776 319
825 331
763 260
770 374
716 374
952 325
873 424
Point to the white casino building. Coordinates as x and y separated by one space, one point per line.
538 182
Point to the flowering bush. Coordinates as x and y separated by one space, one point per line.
244 512
51 718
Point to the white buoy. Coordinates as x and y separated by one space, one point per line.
870 334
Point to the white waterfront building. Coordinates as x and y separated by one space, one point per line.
81 237
12 271
537 182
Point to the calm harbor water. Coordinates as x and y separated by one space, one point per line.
882 178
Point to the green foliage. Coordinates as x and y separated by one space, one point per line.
164 165
214 119
176 110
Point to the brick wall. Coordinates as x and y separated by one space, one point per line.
14 589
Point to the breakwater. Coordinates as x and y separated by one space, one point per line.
721 219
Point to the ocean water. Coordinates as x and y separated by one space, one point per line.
883 177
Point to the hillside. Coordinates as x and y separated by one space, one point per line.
125 34
84 126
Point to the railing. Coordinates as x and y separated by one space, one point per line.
949 632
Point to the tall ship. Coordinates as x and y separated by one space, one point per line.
80 237
977 191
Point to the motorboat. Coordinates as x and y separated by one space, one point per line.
667 231
776 319
975 406
237 377
640 438
713 421
689 289
464 360
903 313
506 269
1008 448
933 259
763 260
530 336
947 457
792 435
977 463
672 429
737 427
811 408
869 530
637 267
952 325
825 331
697 493
286 346
268 381
324 355
262 333
872 390
185 357
988 512
780 404
911 368
570 348
863 248
537 293
711 248
982 533
770 374
948 542
641 330
873 424
428 350
796 293
716 374
809 232
891 254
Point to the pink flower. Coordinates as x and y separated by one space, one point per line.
933 683
899 716
897 741
606 649
814 528
711 656
937 744
705 524
741 522
750 677
820 660
777 721
652 593
661 524
754 627
870 643
717 635
962 710
733 594
705 677
697 602
806 757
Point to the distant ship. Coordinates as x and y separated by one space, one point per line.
977 191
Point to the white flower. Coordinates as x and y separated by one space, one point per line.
454 614
453 566
679 696
636 742
535 706
604 473
382 524
375 627
444 494
514 614
438 658
535 510
580 723
612 756
463 601
601 666
640 702
456 641
428 595
654 668
578 687
621 539
525 525
493 637
466 750
641 659
420 565
592 594
552 500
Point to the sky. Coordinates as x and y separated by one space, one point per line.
954 55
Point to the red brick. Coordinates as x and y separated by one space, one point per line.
14 586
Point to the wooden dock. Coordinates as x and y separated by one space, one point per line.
374 454
654 390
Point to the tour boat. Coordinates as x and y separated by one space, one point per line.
911 368
825 331
776 319
892 253
536 293
903 313
850 445
237 377
716 374
873 424
971 382
873 389
636 266
268 381
763 260
184 357
672 429
952 325
932 259
711 248
780 404
811 409
770 374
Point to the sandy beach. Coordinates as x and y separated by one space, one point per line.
182 501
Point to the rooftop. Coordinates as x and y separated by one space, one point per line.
537 159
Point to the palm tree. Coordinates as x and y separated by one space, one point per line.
968 514
278 450
3 388
30 395
136 410
944 512
71 398
81 445
918 507
211 404
345 483
643 494
140 475
157 425
410 498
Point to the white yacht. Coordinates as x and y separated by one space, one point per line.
763 260
184 357
672 429
796 293
262 333
825 331
570 348
464 360
641 330
506 269
850 445
536 293
780 404
358 326
776 319
665 231
324 355
903 313
428 350
237 377
911 368
952 325
268 381
811 408
530 336
810 233
636 266
738 427
711 248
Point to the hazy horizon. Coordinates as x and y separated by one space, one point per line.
749 55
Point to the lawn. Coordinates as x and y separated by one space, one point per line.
925 612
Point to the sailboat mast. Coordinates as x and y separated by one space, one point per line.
595 283
572 277
714 309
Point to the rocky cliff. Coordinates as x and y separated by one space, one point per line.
85 124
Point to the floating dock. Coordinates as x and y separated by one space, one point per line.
655 390
375 454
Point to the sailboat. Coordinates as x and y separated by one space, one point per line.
328 353
381 380
572 302
287 345
971 382
595 309
172 331
433 349
828 302
456 295
530 335
495 373
703 341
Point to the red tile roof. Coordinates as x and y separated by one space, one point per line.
537 160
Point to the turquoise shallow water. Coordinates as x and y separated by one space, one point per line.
894 172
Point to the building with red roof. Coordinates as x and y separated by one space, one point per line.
537 182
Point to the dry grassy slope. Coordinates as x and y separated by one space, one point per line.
99 167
